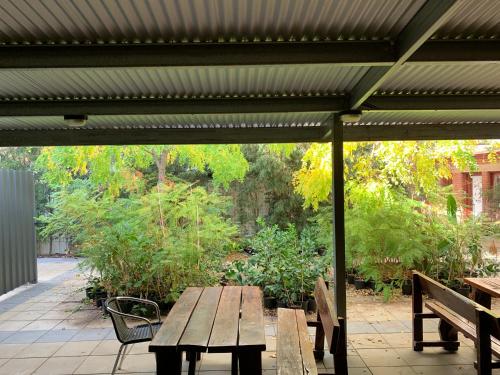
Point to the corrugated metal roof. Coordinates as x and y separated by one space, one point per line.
107 21
474 19
178 82
172 121
429 117
445 78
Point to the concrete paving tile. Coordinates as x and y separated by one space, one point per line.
21 366
268 360
5 334
8 315
139 348
59 365
437 356
55 314
100 323
216 361
366 341
42 306
107 348
24 337
381 357
360 327
10 350
58 335
392 370
398 340
91 334
79 348
26 306
13 325
71 324
139 363
39 350
43 325
446 370
97 365
390 326
26 315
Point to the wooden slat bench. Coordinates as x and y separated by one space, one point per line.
295 353
457 314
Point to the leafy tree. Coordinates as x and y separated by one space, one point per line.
117 168
415 166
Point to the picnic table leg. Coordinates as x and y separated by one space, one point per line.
169 363
417 323
250 362
319 341
234 363
192 358
481 297
448 333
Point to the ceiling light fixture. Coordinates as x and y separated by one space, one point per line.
75 121
350 116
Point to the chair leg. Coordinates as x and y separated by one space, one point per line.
124 354
117 358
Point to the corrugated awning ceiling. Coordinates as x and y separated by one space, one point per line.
178 82
199 56
52 21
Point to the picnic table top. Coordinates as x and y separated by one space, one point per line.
490 285
217 319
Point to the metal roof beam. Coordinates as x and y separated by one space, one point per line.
197 54
406 103
421 27
341 53
173 106
87 137
421 132
291 104
352 133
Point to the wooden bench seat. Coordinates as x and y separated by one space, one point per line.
294 350
456 313
467 328
295 354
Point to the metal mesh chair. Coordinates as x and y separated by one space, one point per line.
131 334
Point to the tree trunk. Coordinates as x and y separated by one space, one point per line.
161 164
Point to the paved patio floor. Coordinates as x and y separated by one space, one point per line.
45 329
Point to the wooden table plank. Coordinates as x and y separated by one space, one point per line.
288 355
197 332
306 349
224 335
252 334
490 285
173 326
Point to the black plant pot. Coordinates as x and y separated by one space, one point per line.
281 303
90 292
407 288
99 297
463 290
351 278
359 284
300 305
370 284
312 305
321 251
270 302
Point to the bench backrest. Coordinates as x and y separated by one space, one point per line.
456 302
328 314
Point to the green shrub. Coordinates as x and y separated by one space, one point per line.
285 264
151 245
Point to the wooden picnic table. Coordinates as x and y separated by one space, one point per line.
226 319
483 288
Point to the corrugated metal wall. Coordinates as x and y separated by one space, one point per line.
17 229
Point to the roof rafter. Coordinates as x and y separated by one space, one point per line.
352 133
279 104
341 53
425 23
